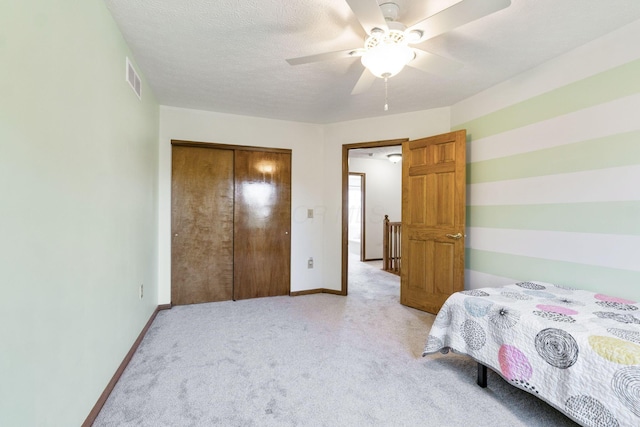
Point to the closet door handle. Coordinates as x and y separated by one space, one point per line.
457 236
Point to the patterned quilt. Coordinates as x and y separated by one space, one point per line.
577 350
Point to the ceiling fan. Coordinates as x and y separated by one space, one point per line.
387 47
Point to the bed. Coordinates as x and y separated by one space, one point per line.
577 350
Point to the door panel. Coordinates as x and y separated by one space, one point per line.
445 202
433 206
201 225
444 266
262 249
417 192
418 278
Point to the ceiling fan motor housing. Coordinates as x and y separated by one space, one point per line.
390 11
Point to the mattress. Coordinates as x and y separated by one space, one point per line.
577 350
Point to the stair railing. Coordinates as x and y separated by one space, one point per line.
391 241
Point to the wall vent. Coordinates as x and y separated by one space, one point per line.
133 79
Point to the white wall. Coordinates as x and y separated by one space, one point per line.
78 200
383 189
394 126
305 141
554 167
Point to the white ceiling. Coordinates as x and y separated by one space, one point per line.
376 153
229 55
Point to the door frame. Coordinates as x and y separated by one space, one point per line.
345 201
183 143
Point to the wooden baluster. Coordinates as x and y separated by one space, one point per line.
396 246
399 248
393 267
391 241
385 243
393 248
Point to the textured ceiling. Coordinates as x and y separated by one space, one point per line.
377 153
229 55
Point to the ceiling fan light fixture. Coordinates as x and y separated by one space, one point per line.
414 36
386 57
394 157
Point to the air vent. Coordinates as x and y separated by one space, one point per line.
133 79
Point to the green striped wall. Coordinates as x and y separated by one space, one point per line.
599 153
602 217
593 217
594 278
600 88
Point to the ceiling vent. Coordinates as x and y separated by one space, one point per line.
133 79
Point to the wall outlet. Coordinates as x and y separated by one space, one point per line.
310 262
309 213
141 293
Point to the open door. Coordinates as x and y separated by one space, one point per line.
433 220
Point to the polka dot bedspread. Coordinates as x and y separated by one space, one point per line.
577 350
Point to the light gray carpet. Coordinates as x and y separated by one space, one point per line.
315 360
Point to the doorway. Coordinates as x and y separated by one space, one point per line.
433 218
357 209
347 171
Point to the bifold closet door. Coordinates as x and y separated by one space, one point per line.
202 204
262 241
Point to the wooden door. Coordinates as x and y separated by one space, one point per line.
433 220
201 225
262 245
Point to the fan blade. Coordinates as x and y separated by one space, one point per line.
452 17
433 64
368 14
350 53
364 82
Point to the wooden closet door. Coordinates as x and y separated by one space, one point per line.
201 225
262 241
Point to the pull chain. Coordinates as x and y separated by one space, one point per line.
386 93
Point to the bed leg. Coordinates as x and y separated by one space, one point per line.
482 375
